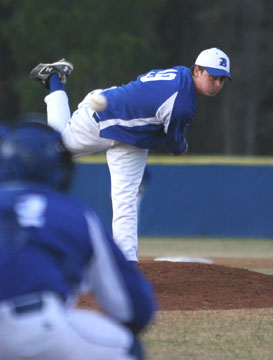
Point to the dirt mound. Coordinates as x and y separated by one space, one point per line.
192 286
196 286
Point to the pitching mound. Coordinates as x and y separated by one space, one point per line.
196 286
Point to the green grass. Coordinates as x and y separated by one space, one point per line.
262 271
206 247
211 335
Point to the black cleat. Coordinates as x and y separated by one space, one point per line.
42 72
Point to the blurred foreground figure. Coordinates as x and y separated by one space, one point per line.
52 249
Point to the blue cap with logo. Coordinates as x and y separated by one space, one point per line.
215 61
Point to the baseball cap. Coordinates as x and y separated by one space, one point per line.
215 61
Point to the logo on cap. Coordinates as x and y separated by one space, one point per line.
223 62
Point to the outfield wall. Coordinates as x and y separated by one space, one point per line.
191 196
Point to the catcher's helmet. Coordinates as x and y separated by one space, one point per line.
35 152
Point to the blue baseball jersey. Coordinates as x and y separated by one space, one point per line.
154 109
50 242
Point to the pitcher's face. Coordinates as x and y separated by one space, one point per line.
206 84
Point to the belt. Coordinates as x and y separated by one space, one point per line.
27 303
33 302
96 117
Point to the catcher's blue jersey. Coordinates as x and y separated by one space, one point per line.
155 108
50 242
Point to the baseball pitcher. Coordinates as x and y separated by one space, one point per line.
155 108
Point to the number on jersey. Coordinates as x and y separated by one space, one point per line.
168 74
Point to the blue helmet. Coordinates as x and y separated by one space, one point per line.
35 152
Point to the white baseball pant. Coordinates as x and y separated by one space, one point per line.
126 164
56 332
